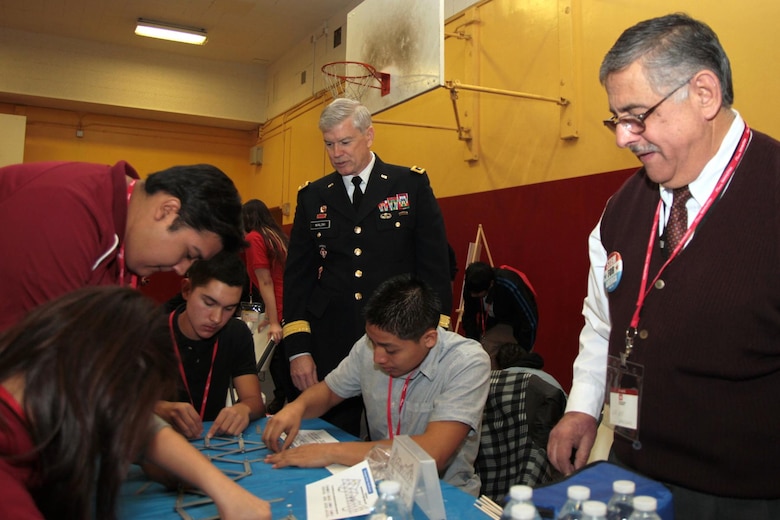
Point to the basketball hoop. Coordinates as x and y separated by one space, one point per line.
350 79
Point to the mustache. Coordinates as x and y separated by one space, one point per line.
641 150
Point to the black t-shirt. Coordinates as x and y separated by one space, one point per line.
235 357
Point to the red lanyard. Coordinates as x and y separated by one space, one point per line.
133 278
184 375
400 405
716 193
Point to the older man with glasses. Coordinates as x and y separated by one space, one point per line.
682 316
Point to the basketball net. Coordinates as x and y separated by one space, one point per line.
349 79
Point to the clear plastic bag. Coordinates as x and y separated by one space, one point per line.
377 459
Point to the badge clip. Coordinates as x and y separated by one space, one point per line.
630 335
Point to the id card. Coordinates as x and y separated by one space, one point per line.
624 391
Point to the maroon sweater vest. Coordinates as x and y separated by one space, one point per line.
710 411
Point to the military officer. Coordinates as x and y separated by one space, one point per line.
354 228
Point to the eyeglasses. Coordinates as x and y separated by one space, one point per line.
636 123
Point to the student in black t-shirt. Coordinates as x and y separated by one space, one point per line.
213 350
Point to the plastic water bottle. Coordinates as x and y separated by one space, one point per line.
523 512
620 505
519 495
594 510
644 508
389 505
572 508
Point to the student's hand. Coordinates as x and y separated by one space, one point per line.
275 332
303 371
182 416
575 430
231 420
306 456
287 421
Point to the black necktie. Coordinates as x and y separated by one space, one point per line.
357 196
678 217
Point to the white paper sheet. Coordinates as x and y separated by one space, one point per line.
348 493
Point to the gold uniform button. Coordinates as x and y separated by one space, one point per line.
358 296
319 235
358 274
643 334
660 284
397 224
358 251
358 230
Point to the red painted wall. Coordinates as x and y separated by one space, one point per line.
541 229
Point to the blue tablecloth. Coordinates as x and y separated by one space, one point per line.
285 488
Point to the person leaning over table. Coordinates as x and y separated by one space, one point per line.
78 224
701 324
213 350
339 253
68 430
438 382
495 296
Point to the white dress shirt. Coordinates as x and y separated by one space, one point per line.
364 175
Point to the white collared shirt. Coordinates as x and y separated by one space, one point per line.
364 175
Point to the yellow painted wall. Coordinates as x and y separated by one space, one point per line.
148 146
516 45
528 46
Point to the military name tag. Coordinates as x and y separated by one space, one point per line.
319 224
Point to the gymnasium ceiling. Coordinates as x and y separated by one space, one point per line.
242 31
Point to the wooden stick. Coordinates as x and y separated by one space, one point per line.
489 507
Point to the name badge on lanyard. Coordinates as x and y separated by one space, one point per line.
624 390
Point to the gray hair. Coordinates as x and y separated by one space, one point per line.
342 108
672 48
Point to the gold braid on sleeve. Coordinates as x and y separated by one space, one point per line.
444 321
295 327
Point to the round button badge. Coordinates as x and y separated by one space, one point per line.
613 271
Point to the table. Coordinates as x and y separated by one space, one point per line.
285 488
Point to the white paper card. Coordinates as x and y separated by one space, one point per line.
348 493
316 437
312 437
624 408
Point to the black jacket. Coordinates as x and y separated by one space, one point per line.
513 304
338 256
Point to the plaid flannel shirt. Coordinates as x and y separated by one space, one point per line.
521 410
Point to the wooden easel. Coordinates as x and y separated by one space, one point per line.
474 254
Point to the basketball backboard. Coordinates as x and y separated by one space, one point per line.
404 38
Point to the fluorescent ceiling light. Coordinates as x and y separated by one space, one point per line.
166 31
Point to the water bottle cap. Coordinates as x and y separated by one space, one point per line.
521 492
594 508
523 512
578 492
624 487
645 503
389 487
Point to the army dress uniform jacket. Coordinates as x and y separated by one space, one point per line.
338 256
